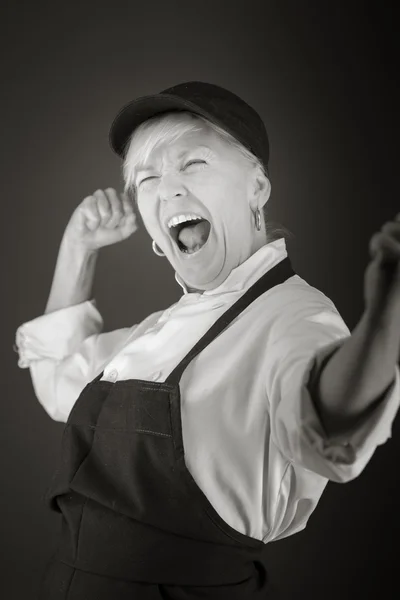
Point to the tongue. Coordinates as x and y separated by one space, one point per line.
194 235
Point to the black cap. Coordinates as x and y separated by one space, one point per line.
211 101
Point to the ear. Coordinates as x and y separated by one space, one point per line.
261 190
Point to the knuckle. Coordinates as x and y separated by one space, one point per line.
391 229
103 201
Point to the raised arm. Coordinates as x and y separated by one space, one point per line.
73 276
100 220
65 346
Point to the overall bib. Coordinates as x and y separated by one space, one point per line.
135 525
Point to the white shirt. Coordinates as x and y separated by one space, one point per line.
253 441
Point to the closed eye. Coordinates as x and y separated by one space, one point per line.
193 162
147 179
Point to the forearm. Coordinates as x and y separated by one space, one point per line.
357 375
73 276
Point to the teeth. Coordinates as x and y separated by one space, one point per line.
193 250
182 218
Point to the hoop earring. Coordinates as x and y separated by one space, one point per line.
155 250
258 219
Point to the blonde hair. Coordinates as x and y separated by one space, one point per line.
168 128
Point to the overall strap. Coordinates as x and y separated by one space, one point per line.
273 277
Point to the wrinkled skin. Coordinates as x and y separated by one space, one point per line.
201 173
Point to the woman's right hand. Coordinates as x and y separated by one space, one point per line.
102 219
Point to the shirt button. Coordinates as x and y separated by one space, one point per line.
112 375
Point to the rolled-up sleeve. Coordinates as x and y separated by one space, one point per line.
305 338
57 334
64 351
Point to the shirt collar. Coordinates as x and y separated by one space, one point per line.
243 276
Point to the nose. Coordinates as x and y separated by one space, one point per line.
171 186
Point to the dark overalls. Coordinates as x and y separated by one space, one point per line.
135 525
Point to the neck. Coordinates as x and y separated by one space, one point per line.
193 290
260 239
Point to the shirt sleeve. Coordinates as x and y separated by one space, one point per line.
64 351
309 330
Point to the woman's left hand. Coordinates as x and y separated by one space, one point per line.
382 276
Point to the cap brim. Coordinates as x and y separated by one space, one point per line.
142 109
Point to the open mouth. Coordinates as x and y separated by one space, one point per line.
191 236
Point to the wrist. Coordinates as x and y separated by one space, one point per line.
76 246
383 328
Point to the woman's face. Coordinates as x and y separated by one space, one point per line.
201 174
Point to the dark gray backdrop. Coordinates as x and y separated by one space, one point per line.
322 75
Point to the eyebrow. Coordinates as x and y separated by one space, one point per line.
143 167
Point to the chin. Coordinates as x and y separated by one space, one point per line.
210 279
209 270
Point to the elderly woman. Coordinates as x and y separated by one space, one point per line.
212 427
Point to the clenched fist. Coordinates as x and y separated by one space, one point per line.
102 219
382 276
